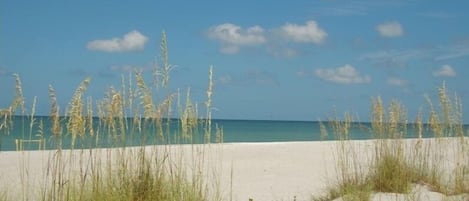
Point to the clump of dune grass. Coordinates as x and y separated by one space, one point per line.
18 102
397 165
136 111
76 121
390 169
350 183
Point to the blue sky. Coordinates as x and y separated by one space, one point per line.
288 60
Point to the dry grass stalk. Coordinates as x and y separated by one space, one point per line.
208 106
18 101
446 108
89 116
76 122
418 126
6 121
166 66
323 130
115 121
433 120
145 96
188 119
377 117
32 118
163 111
5 115
54 112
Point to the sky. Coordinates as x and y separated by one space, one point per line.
272 60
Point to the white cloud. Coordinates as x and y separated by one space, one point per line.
308 33
397 82
346 74
445 71
233 36
132 41
390 29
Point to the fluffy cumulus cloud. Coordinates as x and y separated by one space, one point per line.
346 74
233 36
132 41
390 29
307 33
445 71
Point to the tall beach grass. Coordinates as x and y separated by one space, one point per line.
396 165
84 171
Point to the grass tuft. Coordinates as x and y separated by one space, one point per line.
392 174
396 165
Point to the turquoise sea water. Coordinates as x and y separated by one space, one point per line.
233 131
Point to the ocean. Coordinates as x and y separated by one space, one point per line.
233 131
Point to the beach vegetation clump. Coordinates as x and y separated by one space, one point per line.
350 183
7 113
396 165
390 170
92 156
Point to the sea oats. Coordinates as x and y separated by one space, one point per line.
76 121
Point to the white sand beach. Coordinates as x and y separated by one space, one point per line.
259 171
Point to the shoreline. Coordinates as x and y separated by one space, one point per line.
223 143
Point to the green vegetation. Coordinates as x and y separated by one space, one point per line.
397 165
85 172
